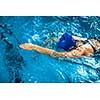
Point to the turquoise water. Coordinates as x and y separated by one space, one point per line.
22 66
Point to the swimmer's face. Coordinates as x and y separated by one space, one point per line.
78 43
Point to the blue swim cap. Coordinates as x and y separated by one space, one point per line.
66 41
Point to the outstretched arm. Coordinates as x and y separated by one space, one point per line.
73 53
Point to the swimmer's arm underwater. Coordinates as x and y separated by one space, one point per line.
53 39
74 37
57 39
78 38
73 53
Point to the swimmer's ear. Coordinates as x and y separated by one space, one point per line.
26 46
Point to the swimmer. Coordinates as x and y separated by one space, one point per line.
74 46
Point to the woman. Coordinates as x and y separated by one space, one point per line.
74 46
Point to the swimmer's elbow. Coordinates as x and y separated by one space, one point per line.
66 54
75 53
72 55
57 54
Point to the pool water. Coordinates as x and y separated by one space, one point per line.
22 66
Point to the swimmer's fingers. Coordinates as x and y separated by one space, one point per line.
26 46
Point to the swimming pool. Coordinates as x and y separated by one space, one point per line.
22 66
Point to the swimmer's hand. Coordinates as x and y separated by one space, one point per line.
26 46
